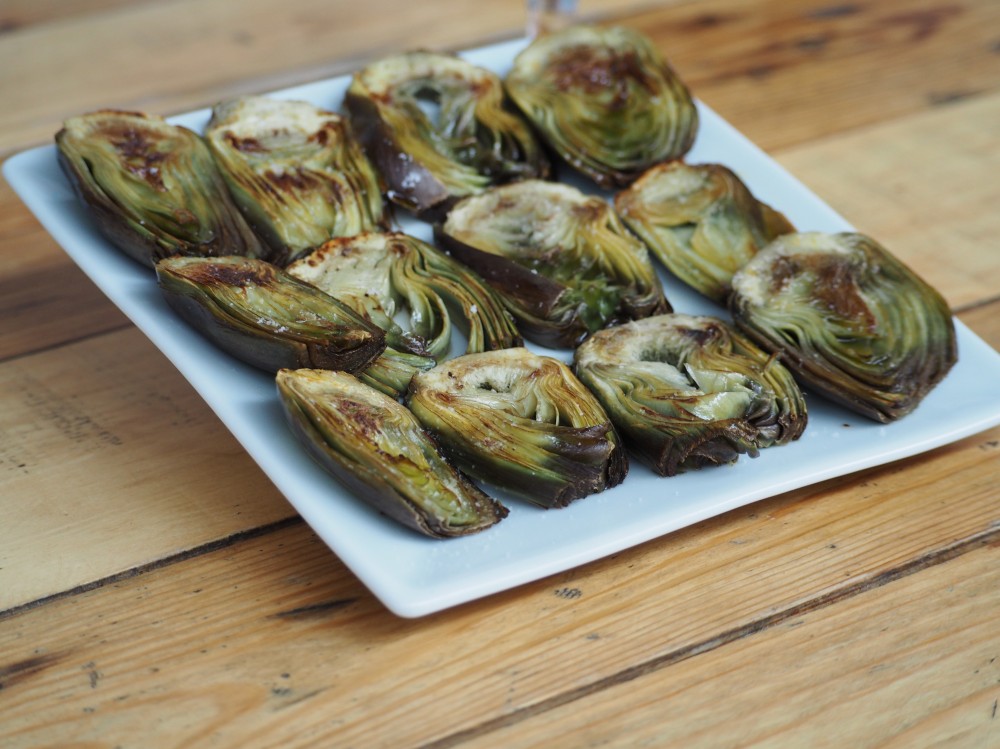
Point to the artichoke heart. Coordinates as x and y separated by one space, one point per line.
376 448
849 318
373 273
686 392
265 317
562 261
605 101
522 422
701 221
296 172
152 188
439 128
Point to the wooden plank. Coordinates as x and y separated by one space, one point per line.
92 438
273 640
45 300
147 55
785 73
781 72
927 185
868 671
20 14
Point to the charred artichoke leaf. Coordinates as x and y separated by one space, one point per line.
152 187
373 273
562 261
689 391
849 318
701 221
265 317
376 448
521 422
438 128
296 171
604 100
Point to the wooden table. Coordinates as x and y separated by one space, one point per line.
156 590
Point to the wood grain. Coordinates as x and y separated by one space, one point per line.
784 73
109 460
155 590
924 185
869 671
213 662
47 302
167 57
780 72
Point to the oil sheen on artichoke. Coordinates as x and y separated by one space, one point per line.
266 318
690 391
604 100
849 318
562 261
376 448
522 422
152 188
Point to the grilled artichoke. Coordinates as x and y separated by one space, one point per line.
265 317
522 422
605 101
295 171
562 261
685 392
700 221
152 187
849 318
375 447
372 273
438 128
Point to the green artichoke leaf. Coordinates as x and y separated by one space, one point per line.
376 272
849 318
700 221
152 188
296 171
690 391
376 448
604 100
265 317
392 371
522 422
562 261
439 128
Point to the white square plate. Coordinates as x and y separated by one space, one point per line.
413 575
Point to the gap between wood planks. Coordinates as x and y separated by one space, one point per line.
195 551
931 559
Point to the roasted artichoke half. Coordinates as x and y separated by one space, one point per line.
849 318
701 221
152 187
562 261
266 318
376 448
604 100
295 171
522 422
373 273
439 128
686 392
